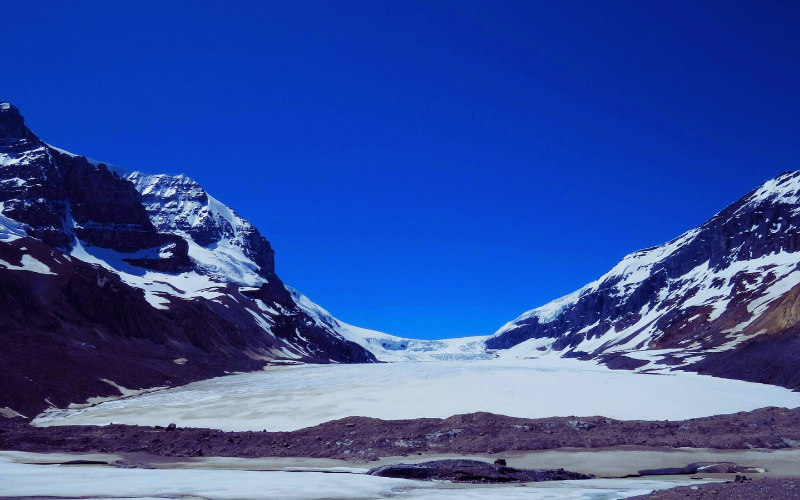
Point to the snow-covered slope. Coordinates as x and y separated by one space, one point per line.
221 243
729 284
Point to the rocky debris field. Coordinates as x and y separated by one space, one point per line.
763 489
361 439
473 471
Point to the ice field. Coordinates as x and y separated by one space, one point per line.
292 397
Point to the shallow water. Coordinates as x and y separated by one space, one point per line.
18 478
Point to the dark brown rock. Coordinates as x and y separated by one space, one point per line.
473 471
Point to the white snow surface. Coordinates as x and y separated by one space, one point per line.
22 157
18 479
784 188
178 204
28 264
157 286
10 229
287 398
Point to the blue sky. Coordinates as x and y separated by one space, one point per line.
428 169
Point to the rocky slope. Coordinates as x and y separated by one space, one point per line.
112 283
721 299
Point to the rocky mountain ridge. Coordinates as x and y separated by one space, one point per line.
114 283
720 299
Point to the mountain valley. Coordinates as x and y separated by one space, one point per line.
141 318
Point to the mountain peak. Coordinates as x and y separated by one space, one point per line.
12 124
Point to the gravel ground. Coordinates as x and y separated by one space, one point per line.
361 439
763 489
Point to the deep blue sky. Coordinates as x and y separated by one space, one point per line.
428 169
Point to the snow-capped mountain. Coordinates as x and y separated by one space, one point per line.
721 299
116 279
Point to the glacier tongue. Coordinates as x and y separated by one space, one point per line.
390 348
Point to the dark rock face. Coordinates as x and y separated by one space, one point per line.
61 334
766 359
619 362
68 327
473 471
12 125
62 197
736 276
30 183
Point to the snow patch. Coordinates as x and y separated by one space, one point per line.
11 230
9 413
29 263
